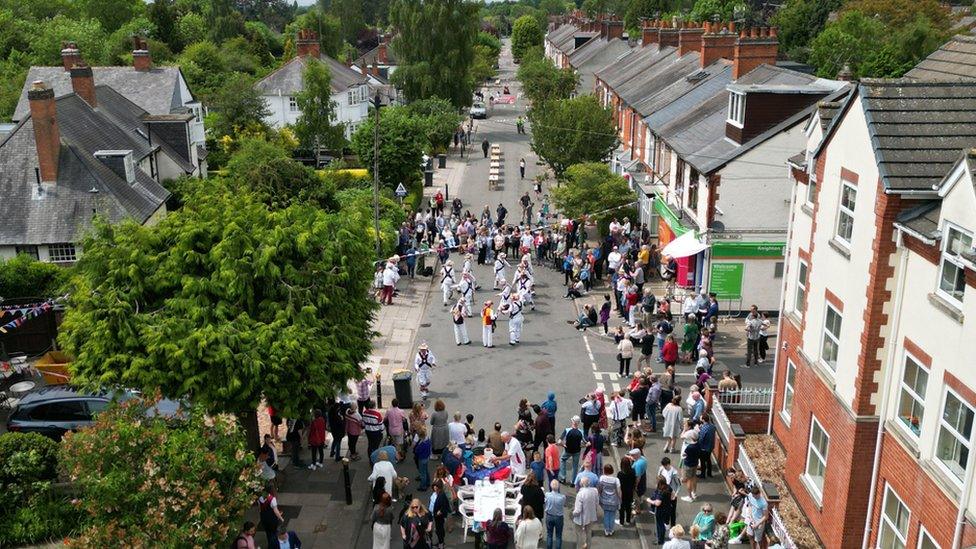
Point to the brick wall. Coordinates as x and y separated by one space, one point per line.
753 422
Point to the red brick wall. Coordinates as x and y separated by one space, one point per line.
753 422
928 504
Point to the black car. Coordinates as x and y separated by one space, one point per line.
53 411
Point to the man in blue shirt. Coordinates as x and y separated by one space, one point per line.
555 509
706 441
711 317
586 473
640 474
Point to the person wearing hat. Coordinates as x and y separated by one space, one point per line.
391 274
466 268
515 319
466 287
447 280
613 260
487 324
525 289
500 265
423 364
458 312
506 297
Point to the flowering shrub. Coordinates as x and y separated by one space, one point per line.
160 482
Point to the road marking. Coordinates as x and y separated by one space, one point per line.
600 387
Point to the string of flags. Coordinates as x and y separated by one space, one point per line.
25 312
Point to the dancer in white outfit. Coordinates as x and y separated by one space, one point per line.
466 268
515 319
458 312
524 285
466 287
447 281
500 265
506 296
424 363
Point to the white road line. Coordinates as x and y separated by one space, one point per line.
615 387
598 375
600 387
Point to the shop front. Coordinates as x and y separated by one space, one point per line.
742 274
669 229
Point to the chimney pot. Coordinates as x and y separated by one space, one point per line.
47 137
83 84
753 50
70 55
141 58
308 43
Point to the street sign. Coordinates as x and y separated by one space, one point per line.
400 191
726 280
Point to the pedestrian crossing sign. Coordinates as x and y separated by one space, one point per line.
400 191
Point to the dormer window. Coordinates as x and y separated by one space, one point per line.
737 109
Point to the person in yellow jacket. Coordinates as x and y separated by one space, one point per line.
487 323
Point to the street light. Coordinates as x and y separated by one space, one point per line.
376 173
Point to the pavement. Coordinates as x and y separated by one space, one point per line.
488 383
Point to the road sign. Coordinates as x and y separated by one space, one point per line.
400 191
727 280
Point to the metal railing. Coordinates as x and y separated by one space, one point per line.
748 397
780 530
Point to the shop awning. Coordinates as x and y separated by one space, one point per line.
685 245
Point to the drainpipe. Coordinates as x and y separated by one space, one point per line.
782 311
892 345
967 487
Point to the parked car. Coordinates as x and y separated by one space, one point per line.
53 411
478 110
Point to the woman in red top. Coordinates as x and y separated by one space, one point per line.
316 440
670 351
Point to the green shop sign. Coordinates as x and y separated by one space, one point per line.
748 249
662 209
726 280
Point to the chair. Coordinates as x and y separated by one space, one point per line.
8 402
512 513
467 519
516 481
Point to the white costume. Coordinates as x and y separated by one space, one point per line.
466 268
423 363
500 265
515 319
527 264
466 287
458 312
447 281
506 296
525 290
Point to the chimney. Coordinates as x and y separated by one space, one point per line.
668 35
375 69
47 137
381 50
757 46
649 32
845 74
141 59
690 39
718 42
308 43
70 55
83 83
615 29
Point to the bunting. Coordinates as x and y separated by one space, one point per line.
26 313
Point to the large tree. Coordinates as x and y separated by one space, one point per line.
571 131
316 127
435 48
799 21
526 33
225 303
542 81
402 145
237 105
593 191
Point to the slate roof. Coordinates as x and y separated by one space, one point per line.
64 212
922 219
287 80
559 35
954 60
374 55
595 55
694 87
634 64
156 91
693 125
827 111
594 47
918 128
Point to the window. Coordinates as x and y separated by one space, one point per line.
737 108
845 216
778 269
693 190
817 456
831 338
60 253
801 288
29 250
96 406
68 410
952 281
894 522
911 403
925 541
811 190
955 430
292 104
788 388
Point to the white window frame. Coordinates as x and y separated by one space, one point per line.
737 109
62 252
923 535
788 390
968 443
803 268
954 259
292 104
811 449
887 522
842 211
835 338
811 190
903 388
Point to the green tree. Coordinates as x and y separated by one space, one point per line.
526 34
725 10
848 41
898 14
401 146
542 81
572 131
643 9
159 482
438 120
191 28
484 64
25 277
435 48
328 27
553 7
799 22
204 67
111 14
268 171
350 15
237 105
224 303
316 127
45 41
589 189
164 17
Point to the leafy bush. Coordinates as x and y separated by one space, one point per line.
23 276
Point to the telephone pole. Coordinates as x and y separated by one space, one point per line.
376 174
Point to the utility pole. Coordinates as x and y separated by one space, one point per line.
376 174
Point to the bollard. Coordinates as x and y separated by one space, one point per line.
447 193
379 392
345 479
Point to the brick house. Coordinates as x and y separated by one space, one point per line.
877 305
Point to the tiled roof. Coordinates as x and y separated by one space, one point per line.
559 35
373 55
596 58
633 64
665 71
65 210
595 47
918 128
692 88
287 80
156 91
922 219
954 60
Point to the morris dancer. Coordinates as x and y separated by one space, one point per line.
487 324
458 312
424 363
447 280
500 265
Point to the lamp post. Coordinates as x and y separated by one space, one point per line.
376 173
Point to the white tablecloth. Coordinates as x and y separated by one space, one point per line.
487 498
